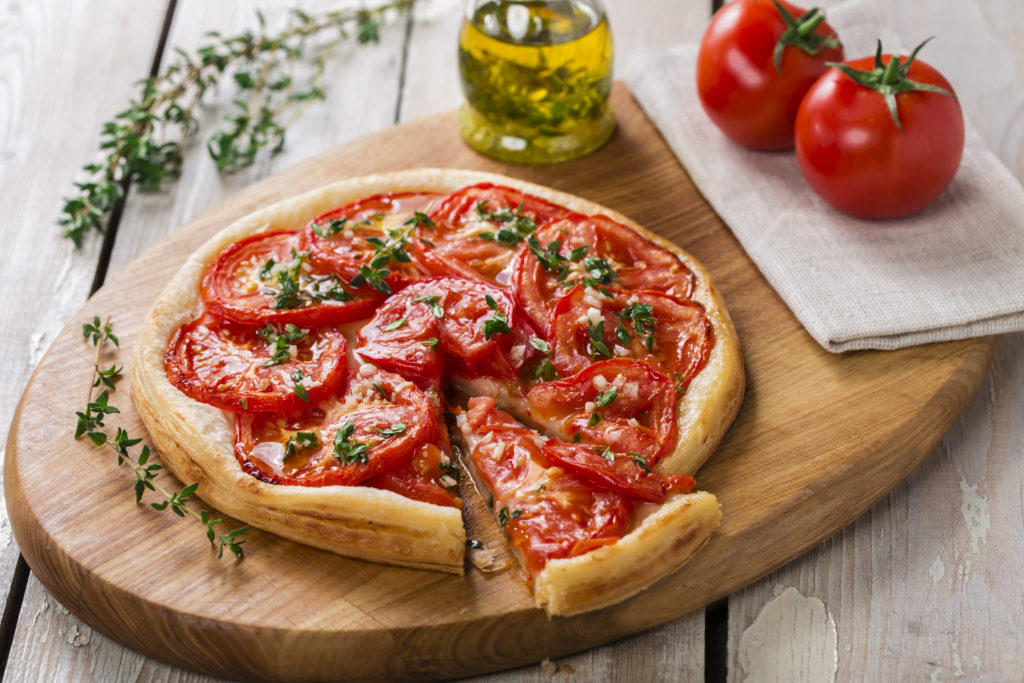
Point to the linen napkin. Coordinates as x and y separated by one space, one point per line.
952 271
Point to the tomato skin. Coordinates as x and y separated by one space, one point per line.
232 289
682 334
739 86
624 475
345 252
457 249
641 418
637 263
260 438
853 155
222 363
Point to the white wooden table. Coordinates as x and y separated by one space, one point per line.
928 585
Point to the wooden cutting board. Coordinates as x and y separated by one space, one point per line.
820 438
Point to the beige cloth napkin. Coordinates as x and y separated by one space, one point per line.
953 271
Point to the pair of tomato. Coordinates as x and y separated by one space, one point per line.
875 137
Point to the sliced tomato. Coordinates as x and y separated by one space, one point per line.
337 240
421 478
375 426
672 336
477 230
267 278
622 404
545 511
448 322
592 250
616 472
244 368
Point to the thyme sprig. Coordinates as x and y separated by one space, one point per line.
145 143
90 424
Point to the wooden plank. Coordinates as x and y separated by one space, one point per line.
362 89
921 580
871 419
49 121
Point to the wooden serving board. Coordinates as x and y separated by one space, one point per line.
820 437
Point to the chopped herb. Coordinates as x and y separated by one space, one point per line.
432 342
280 343
243 403
420 218
540 488
545 371
599 270
540 345
349 452
594 420
385 251
605 398
578 253
490 502
434 302
300 390
373 278
596 333
265 270
642 317
548 257
451 469
504 516
380 390
336 292
486 236
606 453
577 437
288 295
300 442
640 460
499 323
474 544
515 224
397 324
394 430
331 229
622 334
680 387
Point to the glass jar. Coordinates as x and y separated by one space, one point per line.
536 76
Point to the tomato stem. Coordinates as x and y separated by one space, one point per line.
801 33
890 79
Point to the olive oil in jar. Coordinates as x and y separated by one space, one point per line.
536 76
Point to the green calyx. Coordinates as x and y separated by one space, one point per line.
800 33
890 79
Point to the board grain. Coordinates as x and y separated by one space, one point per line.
819 439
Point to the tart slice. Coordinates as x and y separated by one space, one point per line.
588 527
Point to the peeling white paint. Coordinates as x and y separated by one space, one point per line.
959 671
976 662
937 570
793 638
974 509
79 636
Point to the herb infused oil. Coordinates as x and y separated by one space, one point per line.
536 76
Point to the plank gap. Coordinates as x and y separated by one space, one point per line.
11 611
409 21
716 5
716 641
110 234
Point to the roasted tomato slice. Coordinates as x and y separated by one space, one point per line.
267 278
477 230
672 336
343 240
625 474
375 426
474 324
427 477
545 511
244 368
622 404
594 251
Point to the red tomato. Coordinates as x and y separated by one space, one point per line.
853 154
447 318
546 511
620 473
635 415
750 96
420 478
477 230
382 420
240 368
673 337
337 240
594 250
265 279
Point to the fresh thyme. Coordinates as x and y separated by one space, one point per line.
642 317
544 370
91 424
433 302
499 323
280 342
302 441
504 517
595 330
145 143
606 398
374 273
349 452
515 225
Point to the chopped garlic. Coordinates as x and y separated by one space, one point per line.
590 407
366 369
516 354
594 316
600 383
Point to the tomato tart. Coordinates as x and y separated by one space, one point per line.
345 367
